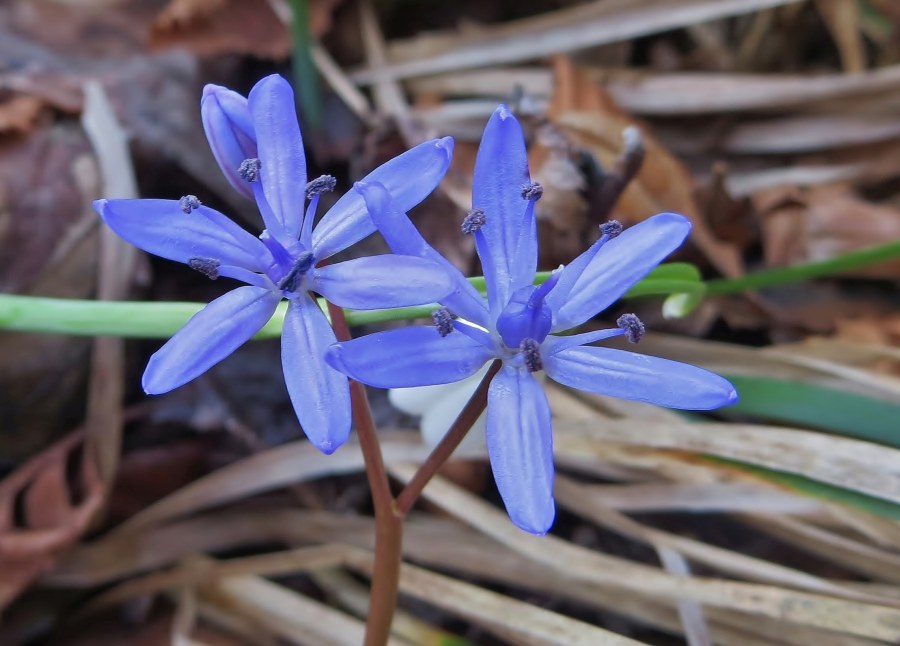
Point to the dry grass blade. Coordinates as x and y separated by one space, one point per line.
577 498
860 466
700 498
817 611
689 612
201 571
861 557
286 464
765 362
842 18
117 259
568 30
296 618
517 620
789 135
676 93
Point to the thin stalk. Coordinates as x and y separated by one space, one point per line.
446 447
388 523
805 271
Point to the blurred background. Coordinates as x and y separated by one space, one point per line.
203 517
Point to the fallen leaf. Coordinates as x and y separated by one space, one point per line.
54 513
48 246
823 222
19 112
592 121
213 27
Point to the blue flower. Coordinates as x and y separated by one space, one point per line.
519 323
257 143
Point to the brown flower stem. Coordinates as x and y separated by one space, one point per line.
388 522
448 444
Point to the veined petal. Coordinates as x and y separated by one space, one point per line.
160 227
553 344
320 394
388 280
404 238
407 357
209 336
229 131
616 267
639 377
520 446
409 178
501 172
281 156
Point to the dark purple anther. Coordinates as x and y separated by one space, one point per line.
532 191
322 184
443 321
474 220
249 170
189 203
632 326
611 229
292 279
531 352
209 267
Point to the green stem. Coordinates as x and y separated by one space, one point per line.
160 320
805 271
305 77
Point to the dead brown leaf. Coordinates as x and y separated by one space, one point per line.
19 112
54 513
818 223
592 121
222 27
871 330
181 13
212 27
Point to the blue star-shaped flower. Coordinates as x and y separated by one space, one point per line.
257 143
519 323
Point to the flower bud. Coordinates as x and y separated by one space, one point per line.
229 130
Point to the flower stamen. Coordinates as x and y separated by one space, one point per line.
475 219
532 191
322 184
291 280
531 352
632 326
443 321
189 203
611 229
209 267
249 169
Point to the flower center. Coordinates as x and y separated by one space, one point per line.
531 353
294 278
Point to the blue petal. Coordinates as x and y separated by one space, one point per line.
507 242
618 265
229 131
320 394
162 228
281 157
409 178
209 336
554 344
403 238
629 375
525 316
520 445
374 282
407 357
